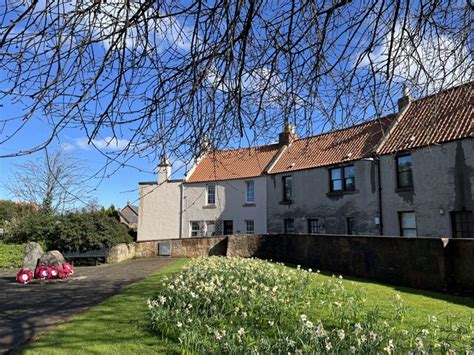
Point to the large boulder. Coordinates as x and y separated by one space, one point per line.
33 253
50 258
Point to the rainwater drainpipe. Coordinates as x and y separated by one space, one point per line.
181 187
379 188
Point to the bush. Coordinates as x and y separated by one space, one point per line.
232 305
10 211
87 231
80 231
34 227
11 255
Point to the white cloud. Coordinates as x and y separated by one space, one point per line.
68 147
161 32
432 62
107 143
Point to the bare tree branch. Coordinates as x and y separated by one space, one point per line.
165 74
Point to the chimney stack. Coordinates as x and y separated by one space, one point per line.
163 170
288 135
405 99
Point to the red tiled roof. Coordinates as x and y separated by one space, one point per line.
233 164
434 119
438 118
334 147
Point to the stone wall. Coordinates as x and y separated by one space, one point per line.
460 265
193 247
424 263
121 252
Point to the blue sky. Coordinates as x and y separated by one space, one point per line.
119 184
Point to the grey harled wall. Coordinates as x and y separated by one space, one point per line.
311 200
443 176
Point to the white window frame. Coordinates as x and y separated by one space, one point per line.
318 225
208 194
193 230
248 230
208 233
403 227
248 190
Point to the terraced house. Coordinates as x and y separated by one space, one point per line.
409 173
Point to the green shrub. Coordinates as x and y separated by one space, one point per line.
34 227
10 211
74 231
232 305
11 255
87 231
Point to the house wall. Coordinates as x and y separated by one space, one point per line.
311 199
230 204
159 211
443 176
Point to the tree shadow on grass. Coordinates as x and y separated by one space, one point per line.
459 299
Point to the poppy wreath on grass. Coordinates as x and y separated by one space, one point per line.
24 276
43 272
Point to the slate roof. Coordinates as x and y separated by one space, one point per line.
233 164
438 118
334 147
130 213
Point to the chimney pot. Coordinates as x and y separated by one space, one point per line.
405 99
288 135
164 170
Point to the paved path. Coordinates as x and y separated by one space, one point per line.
29 310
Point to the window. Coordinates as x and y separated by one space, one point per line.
407 224
287 188
250 226
228 227
462 224
250 192
211 194
404 171
351 226
289 225
342 179
314 227
210 228
195 229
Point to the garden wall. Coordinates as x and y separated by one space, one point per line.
425 263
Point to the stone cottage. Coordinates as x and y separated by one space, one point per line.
409 173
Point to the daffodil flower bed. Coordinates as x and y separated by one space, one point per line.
234 305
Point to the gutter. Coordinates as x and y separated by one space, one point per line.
181 187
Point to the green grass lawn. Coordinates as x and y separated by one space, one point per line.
121 324
11 255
